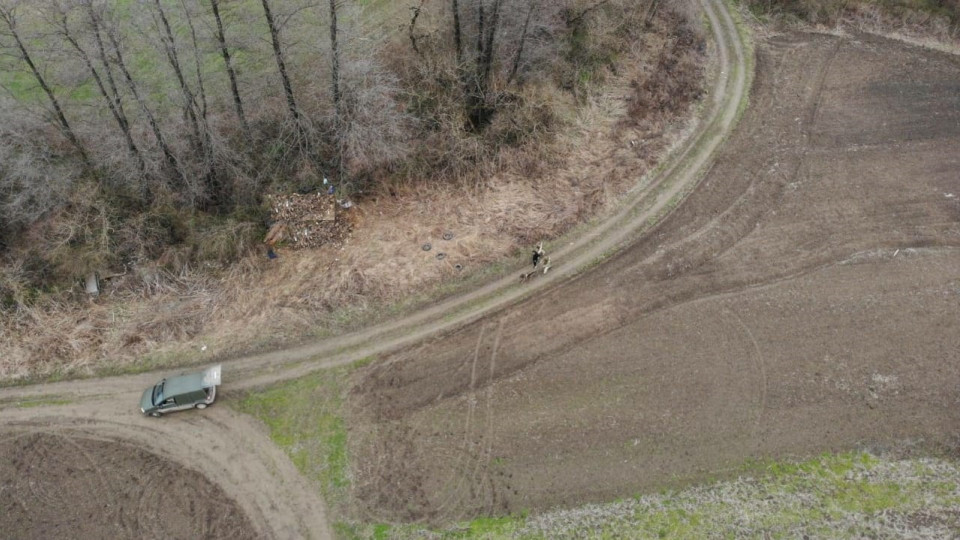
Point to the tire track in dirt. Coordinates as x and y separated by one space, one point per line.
482 469
813 321
761 371
472 466
450 495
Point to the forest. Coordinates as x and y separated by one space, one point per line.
128 126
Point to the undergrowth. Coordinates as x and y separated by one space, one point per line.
940 18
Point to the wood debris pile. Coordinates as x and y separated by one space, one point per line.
307 221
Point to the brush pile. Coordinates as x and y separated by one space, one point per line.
306 221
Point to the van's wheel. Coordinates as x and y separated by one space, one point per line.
201 405
155 414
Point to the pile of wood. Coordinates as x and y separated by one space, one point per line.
306 221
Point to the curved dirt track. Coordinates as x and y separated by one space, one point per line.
227 454
219 465
804 298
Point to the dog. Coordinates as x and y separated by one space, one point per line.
524 277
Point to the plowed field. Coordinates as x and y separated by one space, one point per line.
806 297
63 486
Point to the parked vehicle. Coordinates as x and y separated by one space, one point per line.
189 391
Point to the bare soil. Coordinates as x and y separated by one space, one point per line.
100 469
804 298
61 486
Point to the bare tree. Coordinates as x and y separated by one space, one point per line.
94 21
335 87
476 81
204 108
523 41
170 51
457 32
371 126
31 184
98 22
486 54
411 31
282 69
9 17
231 73
62 26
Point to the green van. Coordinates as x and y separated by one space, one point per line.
190 391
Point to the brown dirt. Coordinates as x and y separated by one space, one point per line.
99 469
804 298
61 486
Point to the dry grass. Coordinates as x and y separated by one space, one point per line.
259 302
918 22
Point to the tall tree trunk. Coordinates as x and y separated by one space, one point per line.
102 52
335 83
479 48
282 68
478 108
225 53
413 28
523 40
196 61
457 33
219 192
61 118
151 119
170 50
117 114
486 61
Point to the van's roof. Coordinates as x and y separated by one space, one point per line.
181 384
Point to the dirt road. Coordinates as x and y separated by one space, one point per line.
805 298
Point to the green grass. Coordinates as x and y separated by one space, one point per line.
149 66
30 403
305 419
833 495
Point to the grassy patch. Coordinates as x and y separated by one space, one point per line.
43 402
305 419
834 495
479 528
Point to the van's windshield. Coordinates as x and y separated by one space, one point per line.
157 394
